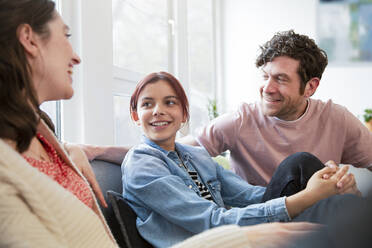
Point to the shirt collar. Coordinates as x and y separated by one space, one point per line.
182 152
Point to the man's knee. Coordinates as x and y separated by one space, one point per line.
301 158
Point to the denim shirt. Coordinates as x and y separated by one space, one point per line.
168 202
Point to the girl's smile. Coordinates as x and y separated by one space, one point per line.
159 113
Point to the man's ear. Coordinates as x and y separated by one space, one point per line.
27 38
311 87
135 118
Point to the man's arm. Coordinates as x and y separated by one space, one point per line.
188 140
113 154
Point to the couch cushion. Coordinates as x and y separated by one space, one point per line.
109 178
126 218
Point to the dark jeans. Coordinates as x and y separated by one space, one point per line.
292 176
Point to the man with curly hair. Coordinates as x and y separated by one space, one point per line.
286 120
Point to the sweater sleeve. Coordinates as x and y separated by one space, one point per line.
358 143
19 225
229 236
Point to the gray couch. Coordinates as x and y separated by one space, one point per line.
119 216
109 178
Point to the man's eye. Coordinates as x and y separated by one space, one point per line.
281 79
68 35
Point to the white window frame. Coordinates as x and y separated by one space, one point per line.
89 116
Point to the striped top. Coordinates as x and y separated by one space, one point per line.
204 192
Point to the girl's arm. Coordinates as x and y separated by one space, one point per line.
149 183
317 189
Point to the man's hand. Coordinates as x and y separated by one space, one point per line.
273 235
347 183
81 161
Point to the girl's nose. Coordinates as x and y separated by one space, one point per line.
158 110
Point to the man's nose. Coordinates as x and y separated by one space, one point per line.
269 86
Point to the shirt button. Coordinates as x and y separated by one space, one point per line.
190 186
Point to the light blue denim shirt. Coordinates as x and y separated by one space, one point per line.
168 202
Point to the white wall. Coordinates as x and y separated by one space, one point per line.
248 24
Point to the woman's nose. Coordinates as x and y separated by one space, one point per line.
76 59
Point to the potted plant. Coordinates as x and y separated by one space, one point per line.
368 118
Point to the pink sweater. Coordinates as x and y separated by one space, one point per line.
259 143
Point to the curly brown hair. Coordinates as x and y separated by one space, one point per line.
313 60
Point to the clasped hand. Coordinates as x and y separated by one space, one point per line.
333 180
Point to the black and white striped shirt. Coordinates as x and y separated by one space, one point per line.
204 192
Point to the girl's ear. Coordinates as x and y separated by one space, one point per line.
28 39
184 120
135 118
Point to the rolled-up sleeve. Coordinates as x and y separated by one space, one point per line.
149 183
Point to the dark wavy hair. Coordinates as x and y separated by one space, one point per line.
19 107
155 77
313 60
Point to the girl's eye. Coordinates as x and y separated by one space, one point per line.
146 104
170 102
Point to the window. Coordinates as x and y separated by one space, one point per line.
201 70
200 46
121 43
141 35
154 35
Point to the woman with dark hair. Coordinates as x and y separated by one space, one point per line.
45 200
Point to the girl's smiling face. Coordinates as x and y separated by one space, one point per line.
159 113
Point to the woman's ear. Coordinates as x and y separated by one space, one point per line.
135 118
27 38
